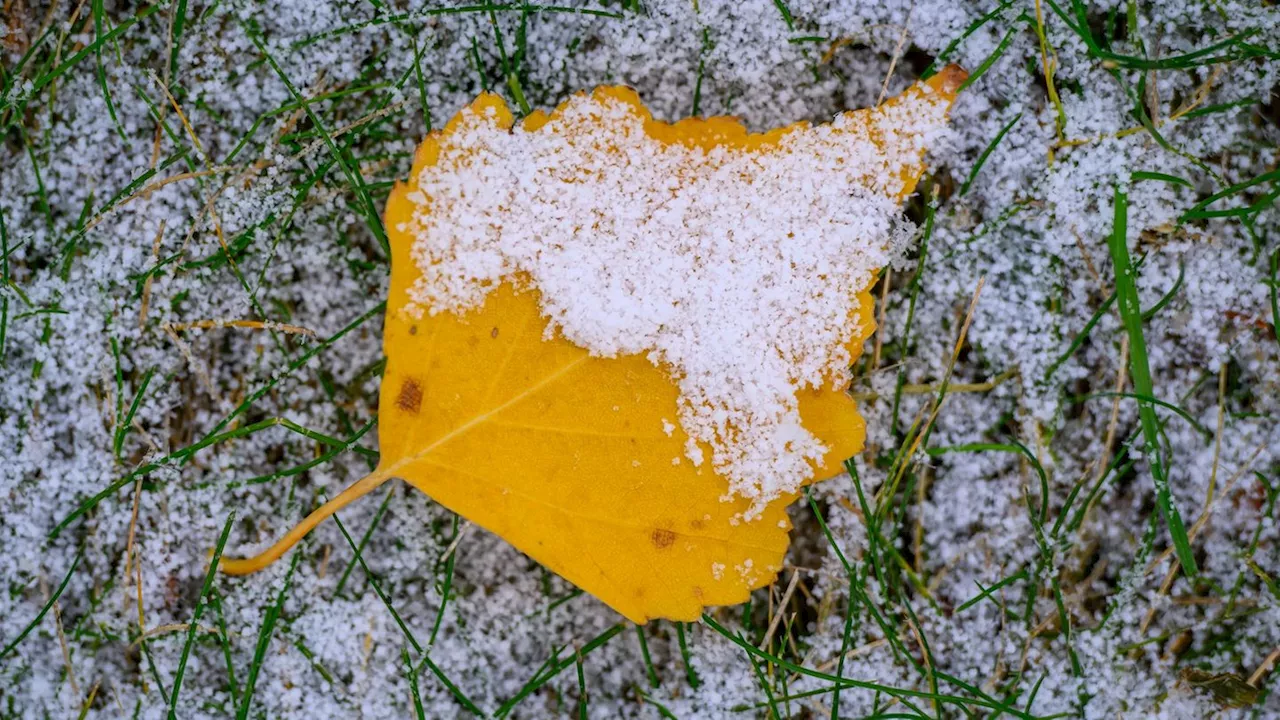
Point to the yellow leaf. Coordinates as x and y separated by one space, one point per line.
564 454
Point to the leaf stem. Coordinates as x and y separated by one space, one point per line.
357 490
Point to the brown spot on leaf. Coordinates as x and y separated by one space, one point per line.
494 333
662 538
697 524
410 397
413 329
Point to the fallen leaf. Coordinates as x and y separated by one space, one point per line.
564 454
1228 689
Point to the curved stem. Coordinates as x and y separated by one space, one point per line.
354 492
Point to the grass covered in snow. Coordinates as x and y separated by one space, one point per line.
1066 507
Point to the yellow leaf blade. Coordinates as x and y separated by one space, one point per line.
578 461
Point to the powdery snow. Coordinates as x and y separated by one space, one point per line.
736 269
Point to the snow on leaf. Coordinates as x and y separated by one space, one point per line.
570 456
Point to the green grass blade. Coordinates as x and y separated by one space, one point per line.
904 695
1079 339
982 159
364 540
553 668
764 683
694 680
1162 177
453 689
945 55
44 610
986 592
348 164
786 14
264 640
179 26
992 58
1275 295
194 624
648 661
123 430
1140 371
412 675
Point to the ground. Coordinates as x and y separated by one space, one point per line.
1066 506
